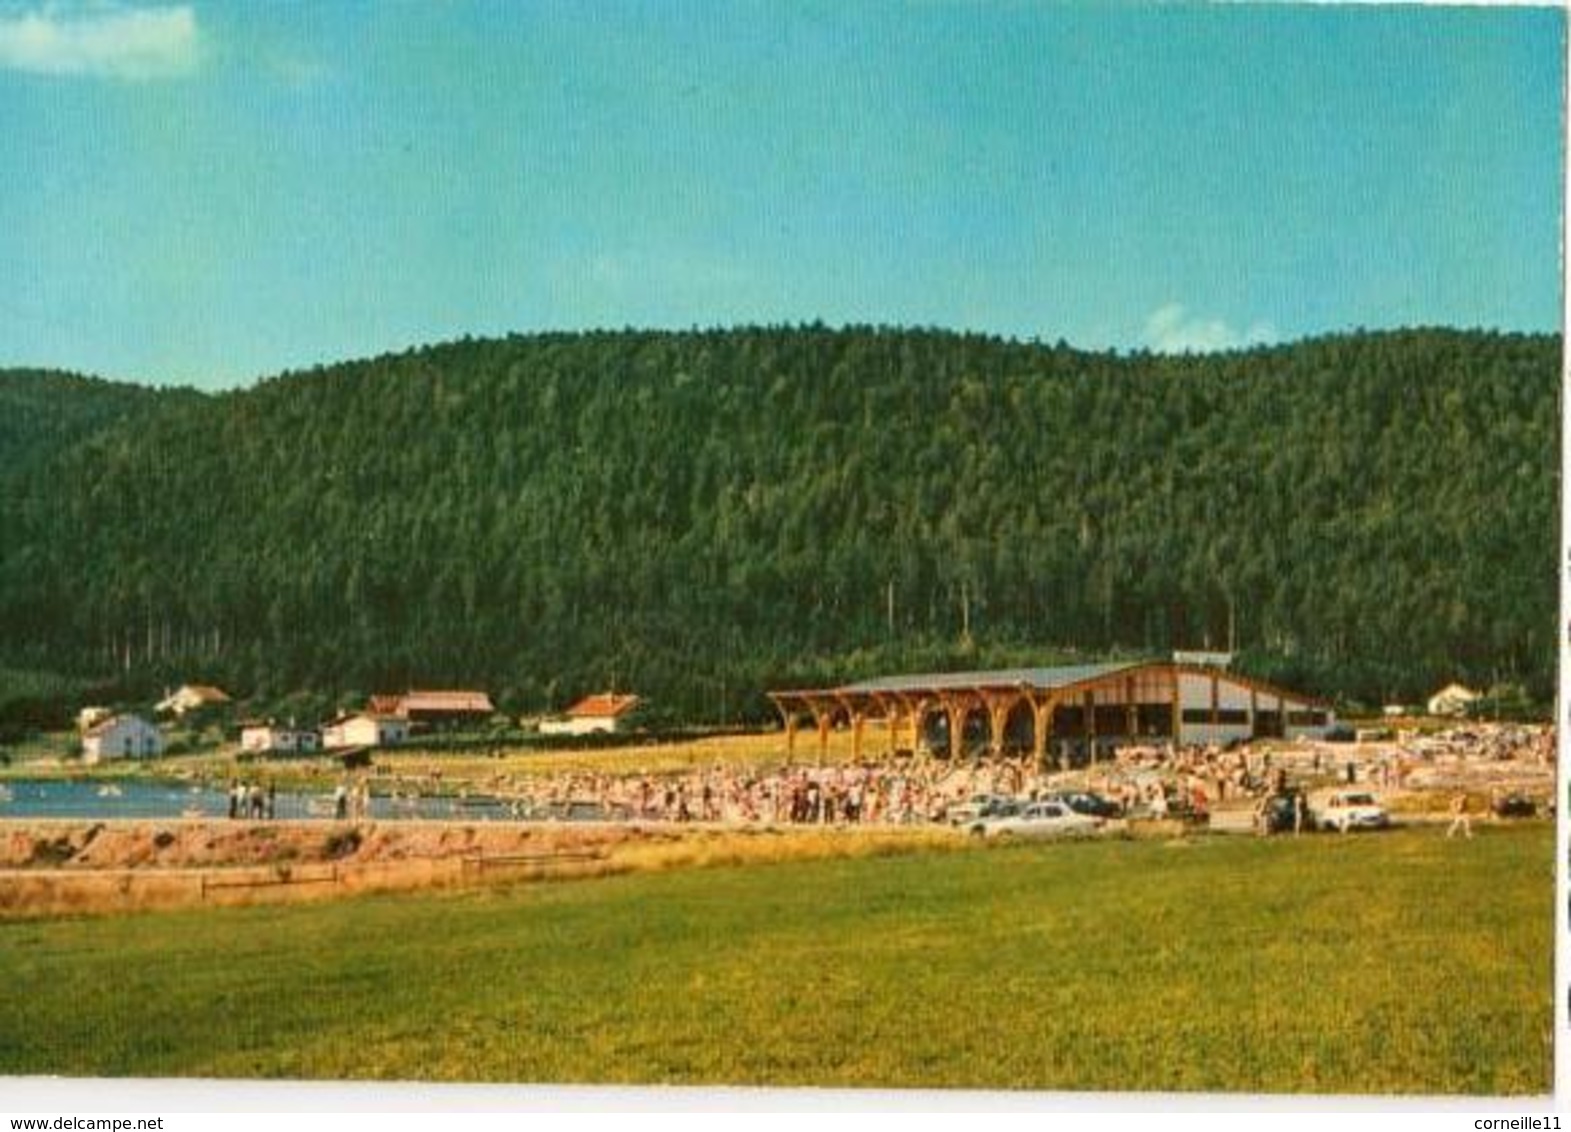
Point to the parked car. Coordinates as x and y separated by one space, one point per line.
1092 805
1348 810
980 806
1515 806
1279 814
1039 819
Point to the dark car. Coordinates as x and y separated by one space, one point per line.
1515 806
1093 805
1279 814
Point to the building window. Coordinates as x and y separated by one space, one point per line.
1225 717
1155 719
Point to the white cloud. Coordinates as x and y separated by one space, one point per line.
104 41
1171 329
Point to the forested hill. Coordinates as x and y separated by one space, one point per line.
44 411
701 516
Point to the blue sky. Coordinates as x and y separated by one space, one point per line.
210 193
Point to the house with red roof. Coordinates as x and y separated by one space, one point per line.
435 707
604 713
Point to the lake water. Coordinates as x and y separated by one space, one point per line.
63 798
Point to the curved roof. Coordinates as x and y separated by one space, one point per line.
1043 679
1019 680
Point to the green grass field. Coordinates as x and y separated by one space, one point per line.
1400 963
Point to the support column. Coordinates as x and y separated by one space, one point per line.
1131 713
997 717
1090 711
788 715
856 711
896 707
917 710
956 713
1178 708
1041 729
998 709
891 722
823 710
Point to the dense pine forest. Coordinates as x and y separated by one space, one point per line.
702 516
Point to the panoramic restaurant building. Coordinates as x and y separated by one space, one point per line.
1068 713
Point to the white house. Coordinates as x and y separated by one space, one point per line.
1453 699
121 737
605 713
365 730
191 697
270 739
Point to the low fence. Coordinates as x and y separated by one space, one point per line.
26 893
282 875
481 862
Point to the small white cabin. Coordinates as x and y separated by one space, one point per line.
365 730
269 739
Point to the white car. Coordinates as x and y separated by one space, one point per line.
981 807
1039 819
1351 809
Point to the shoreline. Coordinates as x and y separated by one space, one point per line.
53 867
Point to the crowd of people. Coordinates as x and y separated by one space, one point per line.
1153 779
